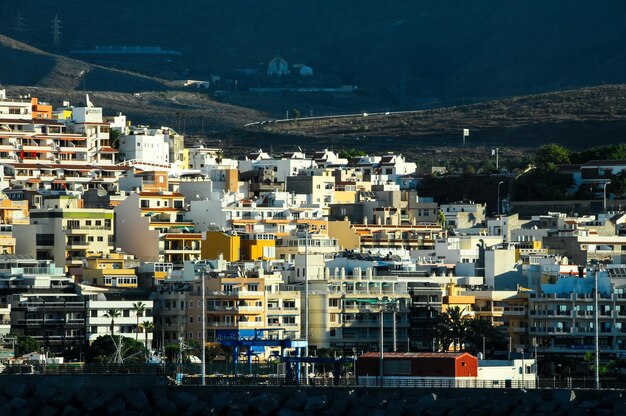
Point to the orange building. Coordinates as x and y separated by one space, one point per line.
41 110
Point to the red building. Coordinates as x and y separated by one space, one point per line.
419 364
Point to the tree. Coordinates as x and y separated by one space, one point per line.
350 153
103 350
25 345
148 326
114 138
441 218
219 155
550 155
452 328
479 330
139 308
112 313
295 113
618 184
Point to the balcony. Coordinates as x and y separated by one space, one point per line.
249 324
250 309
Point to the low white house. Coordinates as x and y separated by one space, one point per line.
518 372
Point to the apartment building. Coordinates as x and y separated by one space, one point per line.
111 270
151 226
119 309
408 237
65 232
345 311
561 317
317 184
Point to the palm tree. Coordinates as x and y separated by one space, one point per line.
112 313
139 308
452 328
148 326
482 329
219 155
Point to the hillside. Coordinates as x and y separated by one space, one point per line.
576 119
23 64
402 54
188 112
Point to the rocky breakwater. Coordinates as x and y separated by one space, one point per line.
130 395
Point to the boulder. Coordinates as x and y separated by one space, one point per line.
71 411
265 404
93 406
182 399
17 403
136 400
316 403
43 391
429 400
16 390
166 407
297 400
48 410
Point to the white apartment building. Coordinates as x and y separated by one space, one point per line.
18 109
125 324
145 144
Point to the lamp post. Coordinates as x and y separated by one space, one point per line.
381 372
596 330
203 332
499 183
604 196
306 299
536 363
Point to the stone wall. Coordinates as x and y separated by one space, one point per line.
145 395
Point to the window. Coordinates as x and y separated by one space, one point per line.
191 319
94 314
126 313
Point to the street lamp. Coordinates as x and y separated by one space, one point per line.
203 332
596 330
499 183
386 305
306 299
604 195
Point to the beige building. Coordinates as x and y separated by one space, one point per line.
65 232
345 311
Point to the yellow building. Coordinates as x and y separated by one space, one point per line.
7 241
181 247
13 212
345 192
258 246
345 235
455 297
111 270
215 243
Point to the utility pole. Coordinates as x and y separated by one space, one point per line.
596 330
306 300
56 31
203 332
381 371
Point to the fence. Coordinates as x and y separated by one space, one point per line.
266 374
